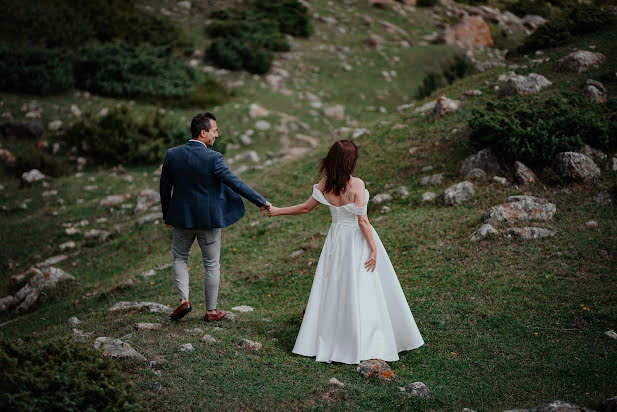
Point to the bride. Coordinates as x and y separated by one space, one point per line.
356 309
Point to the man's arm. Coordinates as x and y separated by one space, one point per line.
165 185
222 172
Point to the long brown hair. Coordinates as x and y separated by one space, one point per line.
338 165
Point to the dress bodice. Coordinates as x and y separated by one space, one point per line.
346 214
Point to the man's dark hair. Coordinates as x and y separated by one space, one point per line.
200 122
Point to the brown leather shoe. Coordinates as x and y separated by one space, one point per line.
211 317
182 310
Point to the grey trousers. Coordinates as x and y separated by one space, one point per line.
209 241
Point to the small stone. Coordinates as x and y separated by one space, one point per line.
243 308
524 174
611 334
334 381
436 179
428 196
381 198
67 245
54 125
187 347
444 106
576 166
100 235
500 180
151 306
580 61
403 191
427 168
296 253
476 174
524 85
484 159
48 193
375 368
520 209
148 273
256 110
115 348
594 91
75 111
262 125
145 200
145 326
591 223
229 316
456 194
194 331
336 112
604 198
250 345
33 176
186 5
612 164
73 322
208 339
72 231
529 232
485 231
418 389
385 209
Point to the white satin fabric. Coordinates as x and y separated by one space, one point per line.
352 314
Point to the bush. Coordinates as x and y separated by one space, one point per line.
60 376
534 130
37 71
134 71
456 69
426 3
32 157
57 26
523 7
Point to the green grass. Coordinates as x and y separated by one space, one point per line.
503 321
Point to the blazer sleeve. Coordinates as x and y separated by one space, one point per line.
222 172
166 185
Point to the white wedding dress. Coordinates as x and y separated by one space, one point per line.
352 314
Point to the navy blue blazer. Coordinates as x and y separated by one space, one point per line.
205 191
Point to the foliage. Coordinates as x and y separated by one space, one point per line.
38 71
247 38
455 69
580 19
60 376
34 157
534 130
523 7
426 3
132 71
57 26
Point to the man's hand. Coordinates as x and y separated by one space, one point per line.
264 209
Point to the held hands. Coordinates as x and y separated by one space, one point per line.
265 208
370 264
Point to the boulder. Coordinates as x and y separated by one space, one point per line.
151 306
524 174
32 177
418 389
145 200
524 85
435 179
528 232
470 31
115 348
594 91
484 159
485 231
444 106
576 166
580 61
375 368
520 209
456 194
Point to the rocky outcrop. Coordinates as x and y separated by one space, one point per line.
468 32
456 194
576 166
524 85
484 159
520 209
580 61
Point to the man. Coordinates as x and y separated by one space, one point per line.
205 199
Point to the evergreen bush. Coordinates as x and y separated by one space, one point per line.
455 69
524 7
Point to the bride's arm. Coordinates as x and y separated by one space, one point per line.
365 227
294 210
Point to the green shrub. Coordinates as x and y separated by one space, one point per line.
37 71
291 16
453 70
60 376
431 82
57 26
533 130
426 3
523 7
134 71
32 157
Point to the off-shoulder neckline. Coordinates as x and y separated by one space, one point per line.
348 204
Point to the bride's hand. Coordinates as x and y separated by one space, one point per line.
370 264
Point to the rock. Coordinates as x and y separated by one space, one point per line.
296 253
476 174
428 196
243 308
150 217
145 326
148 273
594 91
580 61
373 40
425 107
250 345
54 125
471 93
444 106
48 193
262 125
576 166
604 198
67 245
75 111
381 198
555 406
524 85
529 232
51 261
187 347
42 279
249 156
100 235
186 5
115 348
145 200
520 209
456 194
256 110
385 209
336 112
208 339
334 381
436 179
524 174
313 142
532 21
485 231
114 200
594 154
427 168
484 159
375 368
151 306
73 321
416 389
7 158
32 177
229 316
470 31
194 331
403 191
72 231
612 165
591 223
611 334
81 337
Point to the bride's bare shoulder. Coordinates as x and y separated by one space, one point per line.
357 183
321 184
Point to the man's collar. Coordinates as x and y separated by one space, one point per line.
198 141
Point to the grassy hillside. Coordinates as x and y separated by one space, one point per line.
507 323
